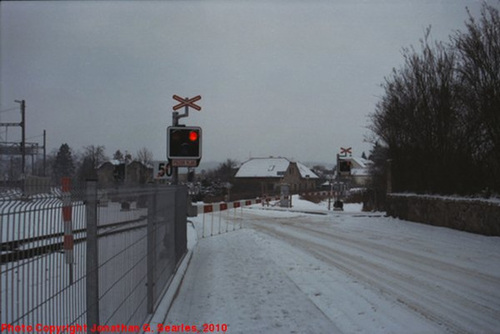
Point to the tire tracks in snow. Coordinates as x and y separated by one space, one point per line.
462 280
406 277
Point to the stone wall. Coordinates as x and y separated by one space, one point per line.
471 215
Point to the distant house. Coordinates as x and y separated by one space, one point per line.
260 176
114 172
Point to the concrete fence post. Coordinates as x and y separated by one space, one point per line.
203 227
220 220
92 279
212 224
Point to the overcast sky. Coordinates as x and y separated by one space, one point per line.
296 79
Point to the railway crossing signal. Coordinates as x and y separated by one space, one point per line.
187 102
183 142
345 167
344 164
184 145
345 151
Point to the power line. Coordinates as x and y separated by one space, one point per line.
39 136
10 109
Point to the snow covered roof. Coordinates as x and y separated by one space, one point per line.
271 167
263 167
113 162
306 172
360 171
358 161
116 162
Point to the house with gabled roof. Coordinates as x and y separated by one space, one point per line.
264 176
114 172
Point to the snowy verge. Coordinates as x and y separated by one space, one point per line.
232 282
160 314
304 206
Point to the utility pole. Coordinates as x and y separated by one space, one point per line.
23 142
44 152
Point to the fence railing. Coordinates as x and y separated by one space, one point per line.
82 256
222 217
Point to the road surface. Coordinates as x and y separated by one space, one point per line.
341 273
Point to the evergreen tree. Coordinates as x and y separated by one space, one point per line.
226 170
63 164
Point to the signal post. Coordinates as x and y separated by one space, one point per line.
343 170
183 142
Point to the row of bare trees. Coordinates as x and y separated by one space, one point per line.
83 165
439 119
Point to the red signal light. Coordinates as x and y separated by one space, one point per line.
183 143
193 135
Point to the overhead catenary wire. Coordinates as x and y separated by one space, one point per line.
33 137
9 109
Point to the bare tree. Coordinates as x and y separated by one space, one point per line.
145 156
118 155
93 157
479 72
416 118
440 115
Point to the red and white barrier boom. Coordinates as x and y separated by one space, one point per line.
68 228
214 207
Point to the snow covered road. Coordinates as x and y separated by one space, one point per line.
289 272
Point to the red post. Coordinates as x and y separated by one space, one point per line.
68 228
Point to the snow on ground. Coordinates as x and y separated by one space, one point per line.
288 271
302 206
231 281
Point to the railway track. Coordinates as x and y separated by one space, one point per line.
12 251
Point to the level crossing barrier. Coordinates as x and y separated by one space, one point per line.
222 217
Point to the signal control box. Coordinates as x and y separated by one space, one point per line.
184 145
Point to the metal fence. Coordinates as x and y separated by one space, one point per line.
222 217
87 256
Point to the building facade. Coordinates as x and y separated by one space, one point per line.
265 176
113 172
